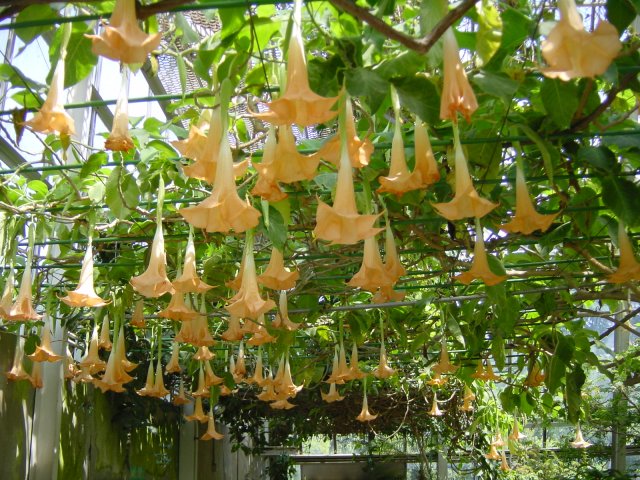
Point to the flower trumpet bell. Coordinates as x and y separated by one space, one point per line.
282 317
372 274
435 411
7 296
332 396
17 371
119 139
52 117
457 94
526 219
44 352
137 318
628 268
298 104
579 441
189 281
22 309
466 201
153 282
444 365
223 210
85 295
365 415
571 51
174 363
276 276
354 369
399 180
383 370
123 40
480 266
234 331
198 413
211 433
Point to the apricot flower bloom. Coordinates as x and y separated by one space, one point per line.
17 371
153 282
205 166
203 389
332 396
7 295
435 411
383 370
223 210
258 374
248 303
52 117
181 398
359 150
174 363
298 104
148 388
104 342
91 359
467 400
177 309
283 384
480 266
466 201
338 373
137 318
203 354
437 381
189 281
372 274
195 145
282 317
394 269
282 404
493 453
234 331
211 433
365 415
526 219
115 375
22 309
276 276
119 139
457 94
36 375
210 378
504 465
484 373
535 377
444 365
341 224
44 352
628 268
85 295
573 52
123 40
515 434
579 441
354 369
198 413
260 334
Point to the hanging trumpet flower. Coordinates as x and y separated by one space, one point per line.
44 352
579 441
154 282
383 370
248 303
276 276
466 201
372 274
394 269
211 433
85 295
17 371
22 309
189 281
526 219
298 104
341 224
365 415
52 117
628 267
457 94
573 52
282 317
7 295
123 40
195 145
435 411
444 365
480 266
332 396
223 210
119 138
137 318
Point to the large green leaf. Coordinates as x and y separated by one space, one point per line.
560 100
419 95
122 193
573 390
489 35
621 13
34 13
80 60
362 82
622 196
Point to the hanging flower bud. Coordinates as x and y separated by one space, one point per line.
17 371
137 319
573 52
123 40
119 139
7 296
282 317
457 94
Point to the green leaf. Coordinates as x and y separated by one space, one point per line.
573 390
560 100
621 13
497 351
122 193
489 35
555 373
362 82
96 193
277 231
496 84
31 13
182 73
420 96
599 157
80 60
93 163
184 29
232 21
545 150
39 188
622 196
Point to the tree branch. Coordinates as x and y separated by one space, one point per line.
420 45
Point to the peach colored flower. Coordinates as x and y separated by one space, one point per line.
425 166
210 378
258 374
332 396
282 404
444 365
223 210
359 150
234 331
579 441
137 318
17 371
260 334
341 224
52 117
104 342
383 370
535 377
119 139
174 363
339 369
189 281
91 359
198 413
282 317
203 388
269 190
435 411
365 415
437 381
178 310
36 375
148 388
284 163
154 282
526 219
480 266
195 145
276 276
354 369
493 453
248 303
573 52
372 274
298 104
123 40
203 354
628 268
466 201
515 434
504 466
211 433
283 384
181 398
22 309
7 295
85 295
457 94
44 352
